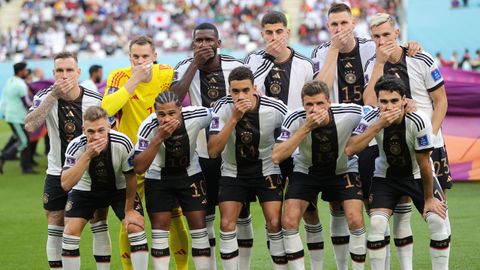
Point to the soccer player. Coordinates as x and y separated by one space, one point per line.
130 93
404 168
425 85
99 171
205 79
280 72
340 64
320 132
62 106
242 131
165 150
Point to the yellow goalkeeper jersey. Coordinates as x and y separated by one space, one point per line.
133 108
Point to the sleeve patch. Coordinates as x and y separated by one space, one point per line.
175 76
112 90
142 144
361 128
284 135
36 103
130 161
215 123
423 140
436 75
316 67
70 161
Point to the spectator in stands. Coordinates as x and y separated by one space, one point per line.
96 74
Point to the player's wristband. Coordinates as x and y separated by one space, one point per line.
269 57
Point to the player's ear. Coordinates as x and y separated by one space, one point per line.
219 42
397 32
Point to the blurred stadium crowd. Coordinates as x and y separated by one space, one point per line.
97 28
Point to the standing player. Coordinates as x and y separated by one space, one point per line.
130 93
320 131
403 169
205 78
62 106
242 131
166 152
424 85
280 72
99 170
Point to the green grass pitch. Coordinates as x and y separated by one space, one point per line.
24 228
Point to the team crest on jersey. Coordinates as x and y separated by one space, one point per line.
436 75
423 141
70 161
361 128
142 144
285 134
215 123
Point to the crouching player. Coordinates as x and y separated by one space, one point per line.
99 170
165 152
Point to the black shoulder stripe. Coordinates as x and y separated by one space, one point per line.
426 56
415 118
92 94
424 59
282 108
45 91
127 146
195 115
296 54
369 61
371 115
419 118
414 121
314 52
221 102
72 150
294 116
148 128
343 108
247 59
228 58
121 137
263 68
337 111
196 111
182 63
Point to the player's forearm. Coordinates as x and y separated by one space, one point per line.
423 160
282 151
131 191
329 68
357 143
35 118
114 102
369 96
144 159
217 142
439 113
181 87
71 176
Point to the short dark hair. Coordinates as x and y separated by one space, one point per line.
339 7
93 69
142 40
93 113
65 55
313 88
274 17
167 97
390 83
19 67
206 26
240 73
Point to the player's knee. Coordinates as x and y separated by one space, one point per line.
436 224
55 218
378 224
355 221
227 224
134 228
311 217
273 223
289 222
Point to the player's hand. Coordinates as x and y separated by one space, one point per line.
340 39
133 218
413 48
201 55
316 119
143 72
385 51
388 117
275 47
241 106
62 87
96 147
411 105
166 129
435 206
